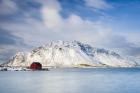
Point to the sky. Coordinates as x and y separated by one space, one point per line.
109 24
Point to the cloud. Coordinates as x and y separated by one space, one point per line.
53 27
122 45
6 38
7 7
73 26
9 45
98 4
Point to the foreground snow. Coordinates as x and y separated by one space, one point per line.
14 69
70 54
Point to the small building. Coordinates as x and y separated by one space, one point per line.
36 66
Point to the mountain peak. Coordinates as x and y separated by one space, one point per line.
61 43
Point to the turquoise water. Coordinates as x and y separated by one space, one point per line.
95 80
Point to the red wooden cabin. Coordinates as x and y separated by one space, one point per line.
36 66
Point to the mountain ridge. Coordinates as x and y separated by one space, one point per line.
70 54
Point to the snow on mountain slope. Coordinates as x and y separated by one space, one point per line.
70 54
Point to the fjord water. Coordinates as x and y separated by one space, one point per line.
76 80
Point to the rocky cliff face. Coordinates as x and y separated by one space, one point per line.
70 54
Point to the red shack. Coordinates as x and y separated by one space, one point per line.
36 66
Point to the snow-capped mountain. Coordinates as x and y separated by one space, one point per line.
70 54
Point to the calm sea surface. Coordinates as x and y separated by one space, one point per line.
89 80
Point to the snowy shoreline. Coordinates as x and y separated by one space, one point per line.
47 68
20 69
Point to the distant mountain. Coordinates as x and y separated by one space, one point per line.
70 54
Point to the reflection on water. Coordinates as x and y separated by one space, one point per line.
95 80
